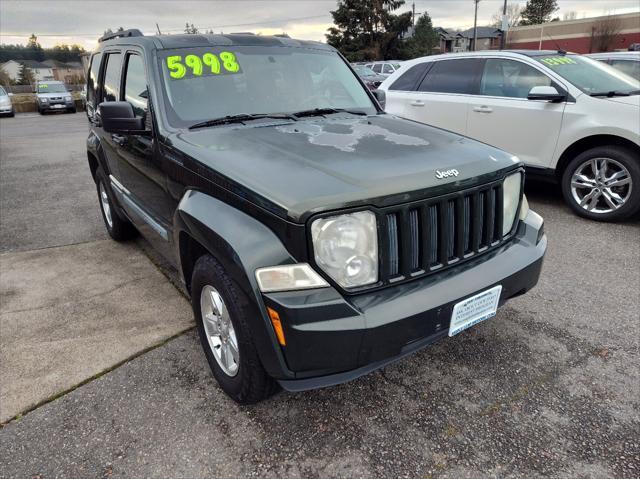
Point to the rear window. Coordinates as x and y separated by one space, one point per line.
408 80
452 76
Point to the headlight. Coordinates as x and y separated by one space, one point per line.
346 248
43 100
288 278
510 200
67 98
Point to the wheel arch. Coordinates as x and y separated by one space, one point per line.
241 244
589 142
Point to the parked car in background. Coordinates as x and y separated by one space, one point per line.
626 62
569 118
385 68
6 107
368 76
54 96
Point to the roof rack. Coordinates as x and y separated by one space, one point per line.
132 32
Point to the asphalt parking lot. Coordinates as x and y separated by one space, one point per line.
548 388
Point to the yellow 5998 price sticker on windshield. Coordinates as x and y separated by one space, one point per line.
205 64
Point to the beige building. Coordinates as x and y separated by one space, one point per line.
586 35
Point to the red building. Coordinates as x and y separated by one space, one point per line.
587 35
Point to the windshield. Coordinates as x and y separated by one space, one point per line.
51 88
2 92
364 71
213 82
591 76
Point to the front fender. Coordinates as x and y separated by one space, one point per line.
241 244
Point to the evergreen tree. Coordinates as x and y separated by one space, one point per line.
538 11
26 76
34 49
367 30
424 39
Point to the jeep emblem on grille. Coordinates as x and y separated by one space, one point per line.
446 174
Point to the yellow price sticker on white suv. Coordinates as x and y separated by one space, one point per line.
553 61
193 65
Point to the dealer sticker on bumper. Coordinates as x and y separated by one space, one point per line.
475 309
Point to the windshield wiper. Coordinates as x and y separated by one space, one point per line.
326 111
241 118
613 93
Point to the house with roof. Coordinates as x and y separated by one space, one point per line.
41 71
488 38
69 72
450 41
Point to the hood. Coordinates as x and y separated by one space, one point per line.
312 165
53 95
633 100
5 100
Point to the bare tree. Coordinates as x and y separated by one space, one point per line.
513 16
605 32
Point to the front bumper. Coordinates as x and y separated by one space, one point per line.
56 106
333 338
6 109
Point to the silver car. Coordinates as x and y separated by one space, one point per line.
6 107
54 96
626 62
385 68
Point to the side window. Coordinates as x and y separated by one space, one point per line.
92 80
111 81
135 84
377 68
386 68
407 81
452 76
510 78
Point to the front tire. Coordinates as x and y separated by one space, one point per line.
603 184
222 320
118 228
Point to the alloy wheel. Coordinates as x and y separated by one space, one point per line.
106 207
601 185
221 336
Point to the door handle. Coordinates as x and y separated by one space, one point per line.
417 103
118 139
483 109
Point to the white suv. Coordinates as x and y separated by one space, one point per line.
568 117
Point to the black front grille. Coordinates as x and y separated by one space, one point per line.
427 236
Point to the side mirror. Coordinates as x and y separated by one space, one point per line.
118 117
381 96
10 94
546 93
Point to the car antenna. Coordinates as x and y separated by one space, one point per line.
558 47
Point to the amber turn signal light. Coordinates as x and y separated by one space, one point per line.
277 325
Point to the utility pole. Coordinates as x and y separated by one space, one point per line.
505 25
475 26
413 14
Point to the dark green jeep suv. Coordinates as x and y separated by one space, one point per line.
319 238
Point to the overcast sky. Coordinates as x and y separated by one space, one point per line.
83 21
